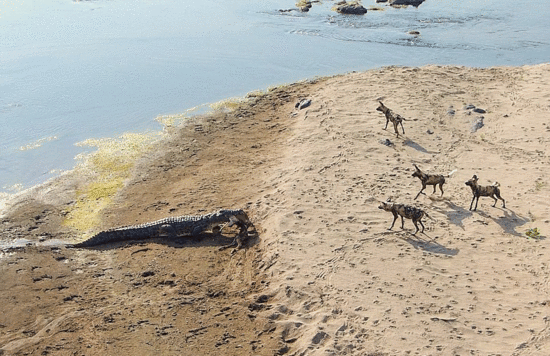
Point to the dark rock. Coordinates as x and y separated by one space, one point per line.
351 8
320 336
262 299
303 5
414 3
479 111
414 33
255 306
387 142
430 132
283 350
469 107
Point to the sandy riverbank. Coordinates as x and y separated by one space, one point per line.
325 275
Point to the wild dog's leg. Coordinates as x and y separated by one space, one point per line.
495 203
477 201
503 201
420 221
440 188
402 222
395 128
387 121
472 202
416 226
421 190
435 186
402 127
238 240
394 218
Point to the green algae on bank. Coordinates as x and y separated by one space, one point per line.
106 171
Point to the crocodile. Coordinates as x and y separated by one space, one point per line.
192 225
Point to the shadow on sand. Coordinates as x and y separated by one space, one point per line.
429 244
456 214
509 222
422 241
416 146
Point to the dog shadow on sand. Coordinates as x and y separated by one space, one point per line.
422 241
455 214
509 222
416 146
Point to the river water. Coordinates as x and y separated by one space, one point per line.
75 70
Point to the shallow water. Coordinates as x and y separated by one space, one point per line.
71 71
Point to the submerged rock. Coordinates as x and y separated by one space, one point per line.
303 5
414 3
350 8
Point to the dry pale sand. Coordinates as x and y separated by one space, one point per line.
324 276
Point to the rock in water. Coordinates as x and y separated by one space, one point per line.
351 8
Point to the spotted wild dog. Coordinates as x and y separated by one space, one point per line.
396 119
430 179
405 211
484 191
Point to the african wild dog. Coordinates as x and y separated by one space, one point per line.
405 211
484 191
430 179
396 119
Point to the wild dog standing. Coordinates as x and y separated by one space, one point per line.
396 119
484 191
430 179
405 211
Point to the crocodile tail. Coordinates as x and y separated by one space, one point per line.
98 239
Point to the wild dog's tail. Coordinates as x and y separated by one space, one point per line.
425 213
496 184
451 173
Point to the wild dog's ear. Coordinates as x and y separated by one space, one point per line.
381 103
388 200
474 177
415 166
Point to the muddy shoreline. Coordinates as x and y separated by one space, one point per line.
168 296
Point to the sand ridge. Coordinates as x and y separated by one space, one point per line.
324 276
